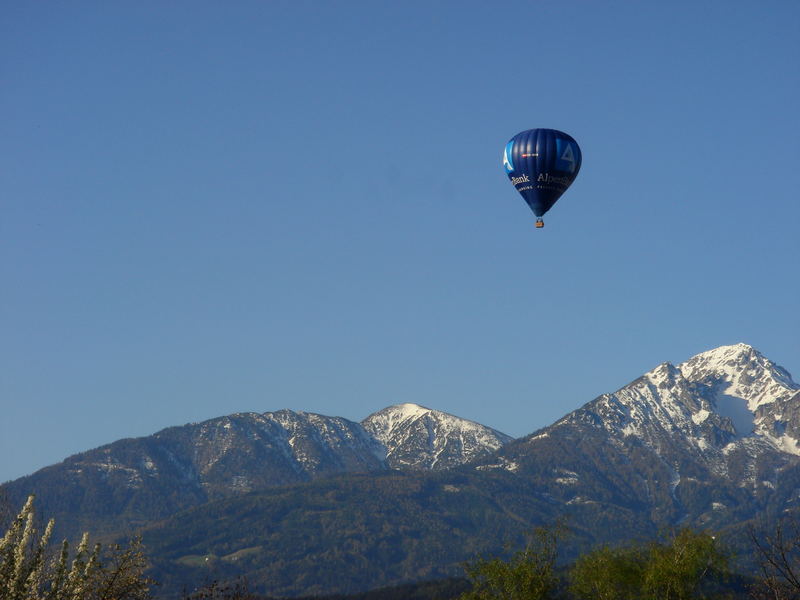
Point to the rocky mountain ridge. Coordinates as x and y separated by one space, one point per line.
705 443
416 437
133 481
710 442
716 404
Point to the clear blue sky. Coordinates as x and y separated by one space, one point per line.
208 208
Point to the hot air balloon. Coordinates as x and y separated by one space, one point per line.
542 164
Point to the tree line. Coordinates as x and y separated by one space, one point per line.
687 564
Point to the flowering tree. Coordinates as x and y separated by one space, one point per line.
27 573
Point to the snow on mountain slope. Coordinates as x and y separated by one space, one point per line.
660 406
149 478
249 451
741 371
672 441
711 399
422 438
315 439
759 397
725 411
712 440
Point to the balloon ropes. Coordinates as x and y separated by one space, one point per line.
542 164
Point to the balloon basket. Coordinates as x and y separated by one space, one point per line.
539 224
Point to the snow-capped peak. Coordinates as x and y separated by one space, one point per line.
664 374
419 437
408 410
727 397
740 371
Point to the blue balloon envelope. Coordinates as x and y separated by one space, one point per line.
542 164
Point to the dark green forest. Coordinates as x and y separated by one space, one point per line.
680 564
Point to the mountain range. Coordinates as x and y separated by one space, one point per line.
305 503
131 482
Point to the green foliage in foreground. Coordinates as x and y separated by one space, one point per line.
690 566
529 574
609 574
